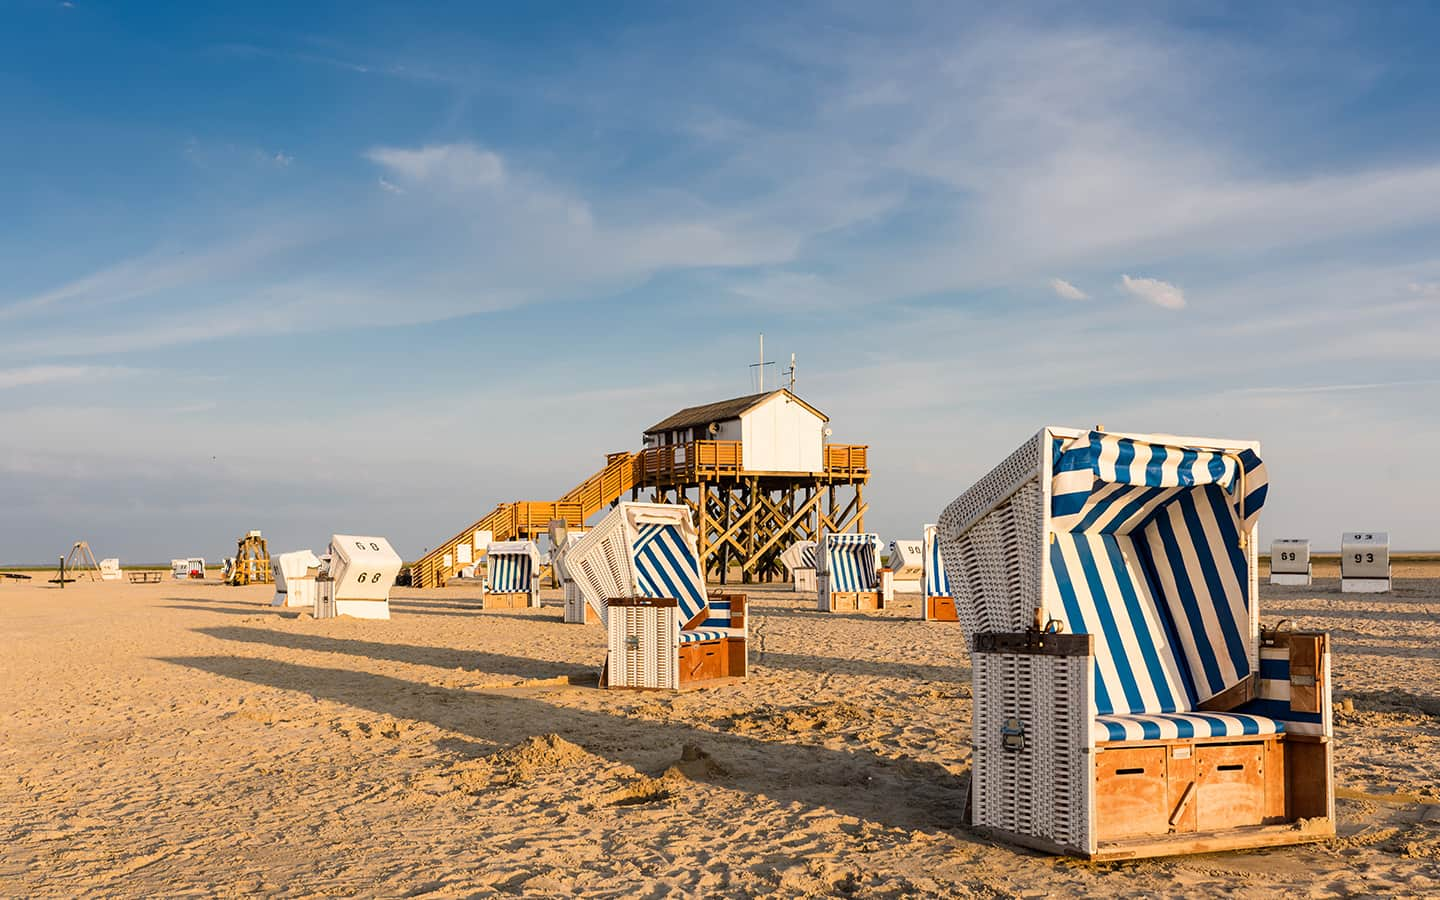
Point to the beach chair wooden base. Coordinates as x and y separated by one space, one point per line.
856 601
709 661
941 609
1290 580
517 600
1364 585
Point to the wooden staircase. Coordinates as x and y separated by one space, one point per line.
527 520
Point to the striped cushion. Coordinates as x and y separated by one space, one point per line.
667 566
719 615
1183 725
707 634
1274 691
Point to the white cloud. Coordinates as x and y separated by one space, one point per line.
390 186
33 375
1066 290
1425 288
442 165
1153 290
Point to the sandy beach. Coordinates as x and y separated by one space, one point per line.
186 739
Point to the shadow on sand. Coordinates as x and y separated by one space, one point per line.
901 793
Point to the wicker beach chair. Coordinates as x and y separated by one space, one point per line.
512 575
799 561
295 573
848 574
639 569
356 574
937 604
1127 703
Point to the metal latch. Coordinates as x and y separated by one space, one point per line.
1302 680
632 642
1012 735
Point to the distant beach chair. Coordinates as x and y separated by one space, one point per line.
295 578
799 560
512 575
1290 562
906 562
639 569
937 604
577 611
1126 701
110 570
848 574
1364 562
356 576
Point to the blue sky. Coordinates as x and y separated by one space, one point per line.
375 268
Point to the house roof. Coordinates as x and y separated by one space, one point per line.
723 410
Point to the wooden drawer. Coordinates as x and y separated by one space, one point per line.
942 609
1131 791
1229 786
702 660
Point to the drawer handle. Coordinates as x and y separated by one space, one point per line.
1129 771
1231 767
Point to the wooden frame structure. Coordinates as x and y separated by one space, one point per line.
747 519
743 518
252 561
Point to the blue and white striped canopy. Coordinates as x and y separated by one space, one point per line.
508 573
852 561
937 581
1148 553
667 565
1111 484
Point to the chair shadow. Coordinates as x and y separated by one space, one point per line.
412 654
790 612
834 665
902 793
283 612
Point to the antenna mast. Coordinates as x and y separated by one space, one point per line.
791 373
759 367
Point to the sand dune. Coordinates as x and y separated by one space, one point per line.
187 739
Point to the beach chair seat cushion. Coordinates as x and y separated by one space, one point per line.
709 634
1174 726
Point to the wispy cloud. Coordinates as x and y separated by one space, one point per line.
1339 388
462 166
1153 290
1066 290
33 375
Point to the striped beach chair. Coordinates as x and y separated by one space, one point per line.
799 560
1127 702
639 571
937 604
512 575
848 573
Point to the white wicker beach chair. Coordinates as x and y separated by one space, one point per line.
639 569
907 564
295 575
577 611
937 604
848 574
110 569
357 573
799 560
1127 704
512 575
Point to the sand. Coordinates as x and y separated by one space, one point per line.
186 739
